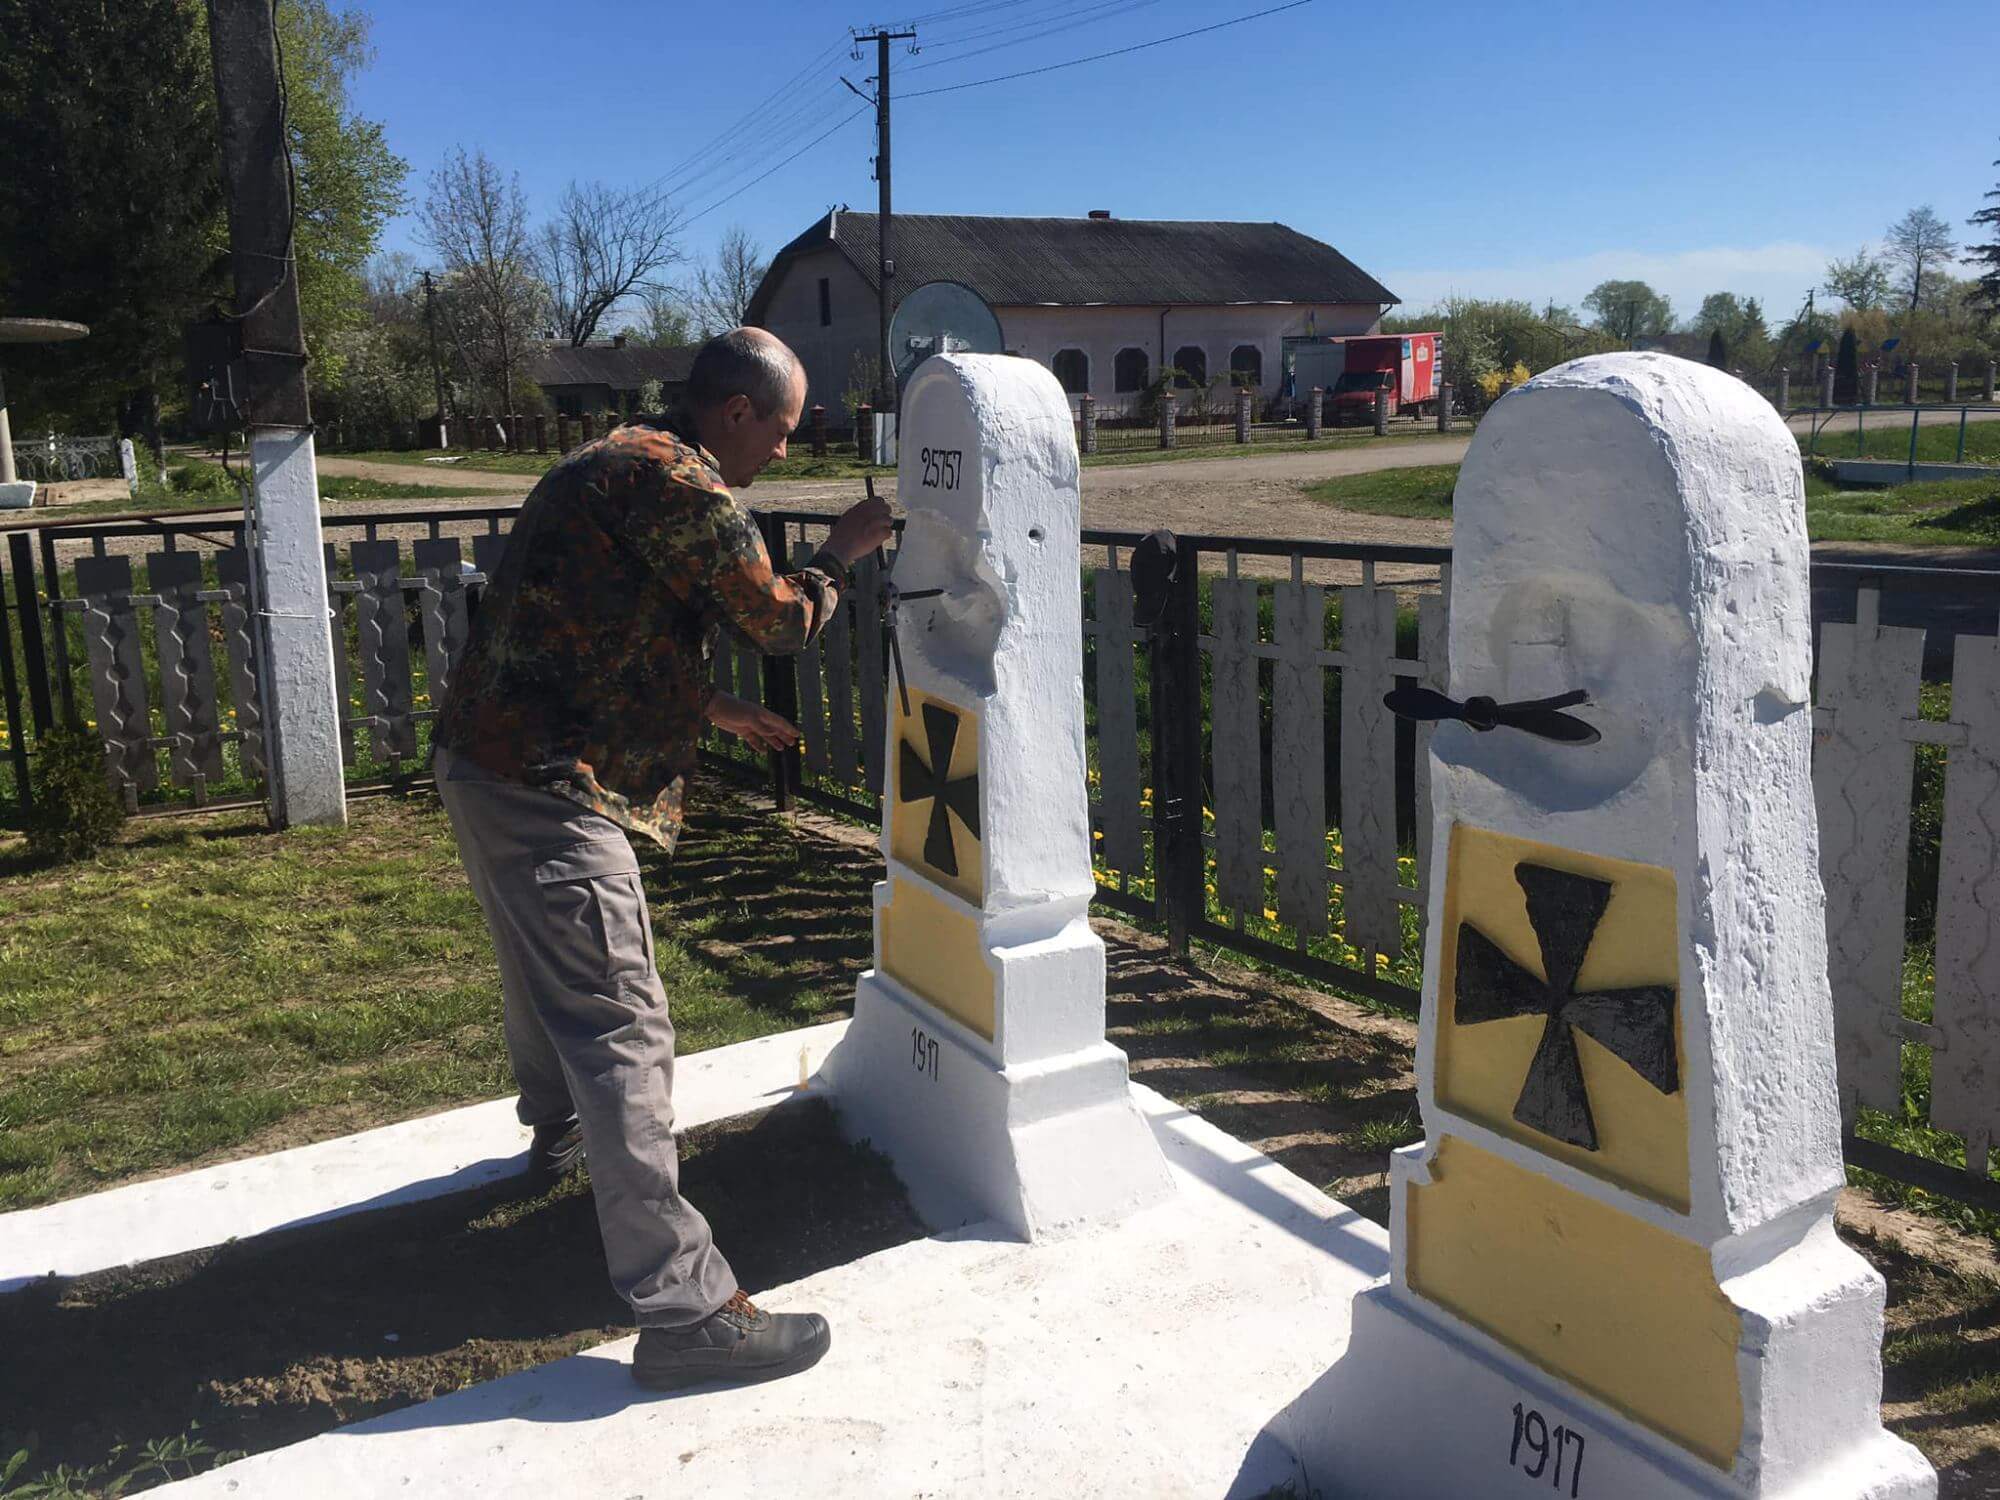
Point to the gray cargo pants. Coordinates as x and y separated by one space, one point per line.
587 1024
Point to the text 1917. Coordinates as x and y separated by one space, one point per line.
1536 1448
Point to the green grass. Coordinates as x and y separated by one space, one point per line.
1886 434
1422 493
1952 512
205 987
1948 512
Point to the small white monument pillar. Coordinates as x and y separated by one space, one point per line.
976 1059
1614 1267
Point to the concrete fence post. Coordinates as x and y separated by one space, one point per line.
1167 403
818 431
1242 414
1315 411
1874 383
864 431
1086 408
589 426
1784 387
1381 412
1910 384
541 432
1990 364
1826 385
1951 384
562 432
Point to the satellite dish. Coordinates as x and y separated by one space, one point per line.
940 317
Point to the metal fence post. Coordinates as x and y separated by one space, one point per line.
34 654
781 682
1167 402
1180 895
1242 414
1086 406
1315 412
10 694
59 646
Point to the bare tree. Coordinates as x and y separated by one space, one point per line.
477 222
722 290
1919 242
664 319
601 247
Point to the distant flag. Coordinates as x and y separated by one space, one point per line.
1888 344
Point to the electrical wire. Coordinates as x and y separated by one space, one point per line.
857 114
1077 62
289 258
1073 18
750 117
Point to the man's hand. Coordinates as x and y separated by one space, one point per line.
757 727
865 527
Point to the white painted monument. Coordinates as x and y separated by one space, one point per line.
1614 1268
976 1059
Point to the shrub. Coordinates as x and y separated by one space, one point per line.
76 813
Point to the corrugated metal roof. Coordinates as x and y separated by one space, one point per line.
1081 262
623 369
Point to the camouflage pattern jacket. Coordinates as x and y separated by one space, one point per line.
588 668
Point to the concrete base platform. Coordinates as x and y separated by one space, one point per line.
451 1152
1163 1355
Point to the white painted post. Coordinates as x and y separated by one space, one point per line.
1874 381
1826 386
1615 1251
1168 400
1951 384
976 1059
128 465
288 560
1910 384
1087 409
1990 367
1315 411
1784 388
1242 414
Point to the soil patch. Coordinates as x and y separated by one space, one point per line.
274 1340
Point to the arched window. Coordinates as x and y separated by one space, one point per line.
1246 366
1130 370
1192 361
1072 367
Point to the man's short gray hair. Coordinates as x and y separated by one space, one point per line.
739 363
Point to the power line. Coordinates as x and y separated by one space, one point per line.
1073 18
1077 62
694 158
846 120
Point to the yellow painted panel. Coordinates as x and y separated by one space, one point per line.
1619 1308
935 950
909 822
1642 1134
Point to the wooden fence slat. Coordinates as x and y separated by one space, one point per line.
749 671
1371 916
812 699
339 606
1237 748
187 670
1965 1072
441 605
232 570
383 630
871 635
1118 768
1433 644
1862 765
839 658
117 671
1298 755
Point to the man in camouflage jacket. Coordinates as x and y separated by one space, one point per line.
571 723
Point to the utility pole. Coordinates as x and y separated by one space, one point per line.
437 371
281 522
885 265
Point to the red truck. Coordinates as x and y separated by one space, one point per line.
1351 369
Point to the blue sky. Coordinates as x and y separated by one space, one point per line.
1525 149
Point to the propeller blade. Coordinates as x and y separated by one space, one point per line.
896 656
1550 725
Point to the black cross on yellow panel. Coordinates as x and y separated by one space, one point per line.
917 782
1636 1024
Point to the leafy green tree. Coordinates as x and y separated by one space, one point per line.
1628 309
1987 297
1847 370
1861 281
110 202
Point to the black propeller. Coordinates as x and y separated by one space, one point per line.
888 597
1536 716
